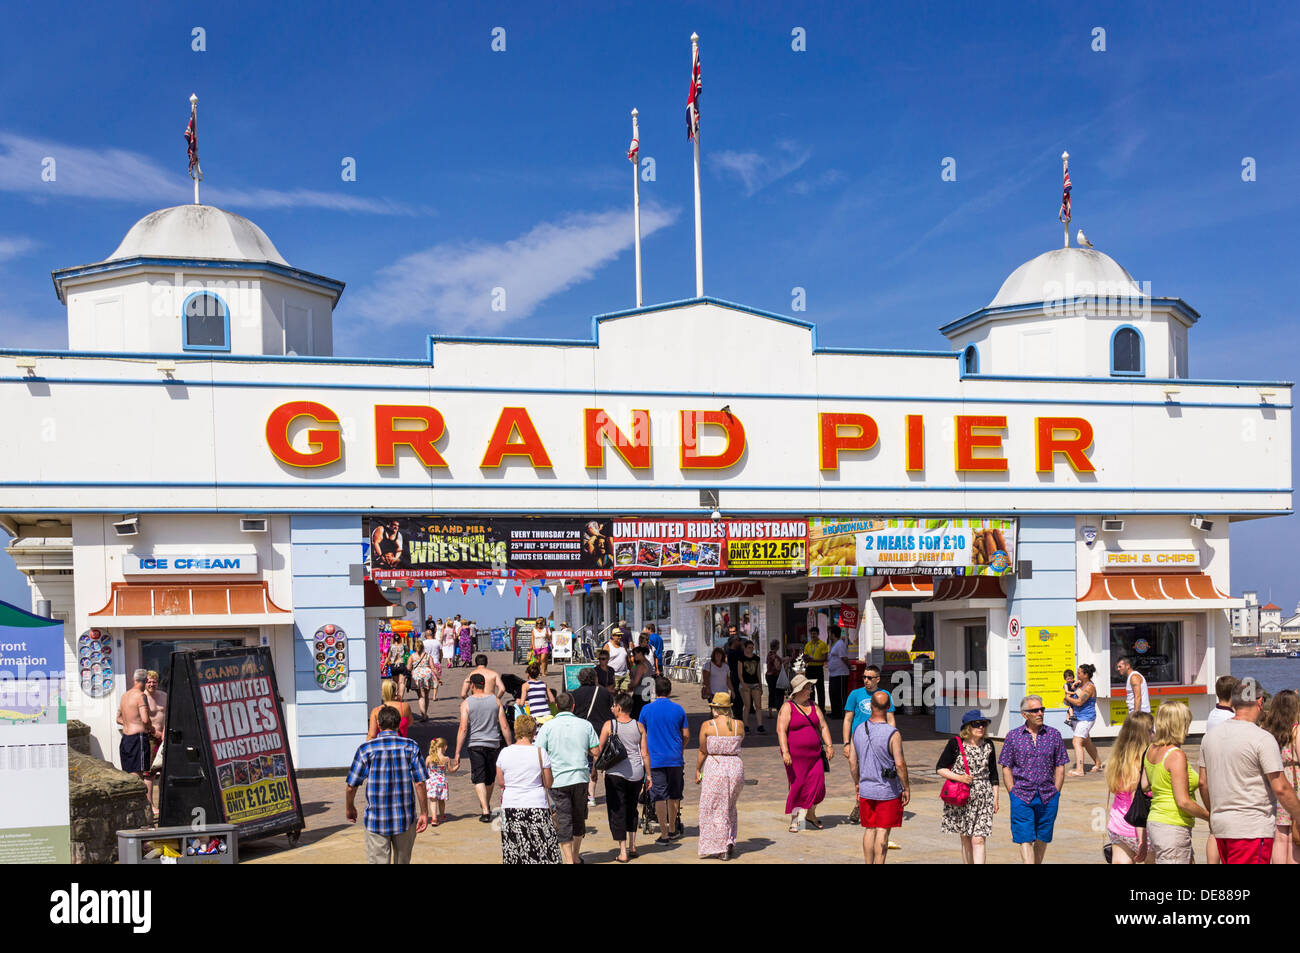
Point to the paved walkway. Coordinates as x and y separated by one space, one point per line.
764 837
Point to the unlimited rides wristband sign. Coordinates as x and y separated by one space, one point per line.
409 548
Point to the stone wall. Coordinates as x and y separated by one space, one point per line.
103 801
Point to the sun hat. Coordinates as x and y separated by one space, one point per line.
720 700
799 683
973 715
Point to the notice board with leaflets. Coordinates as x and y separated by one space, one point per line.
226 753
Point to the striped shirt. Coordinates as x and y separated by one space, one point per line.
538 704
391 764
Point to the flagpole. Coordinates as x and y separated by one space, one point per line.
194 108
636 203
1065 170
699 233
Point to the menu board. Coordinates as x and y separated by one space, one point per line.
1049 651
906 546
245 733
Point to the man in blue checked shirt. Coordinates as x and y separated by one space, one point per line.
396 791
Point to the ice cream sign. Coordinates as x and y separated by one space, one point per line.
226 564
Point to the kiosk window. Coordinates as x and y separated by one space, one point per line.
976 638
1155 647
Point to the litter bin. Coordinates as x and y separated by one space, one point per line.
857 673
213 844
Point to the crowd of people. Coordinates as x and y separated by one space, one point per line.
547 750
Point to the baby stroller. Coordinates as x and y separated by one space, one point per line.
647 812
514 686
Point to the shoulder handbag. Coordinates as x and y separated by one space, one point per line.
1137 812
541 776
1295 822
613 751
826 765
957 793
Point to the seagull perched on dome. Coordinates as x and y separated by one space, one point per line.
1082 239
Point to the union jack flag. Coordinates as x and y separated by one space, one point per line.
633 150
693 101
1064 215
192 137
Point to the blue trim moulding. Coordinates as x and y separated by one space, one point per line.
594 339
434 389
333 286
1068 305
613 487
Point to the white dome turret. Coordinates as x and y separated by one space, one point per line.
1066 273
1074 313
195 278
197 231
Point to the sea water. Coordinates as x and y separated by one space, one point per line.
1274 674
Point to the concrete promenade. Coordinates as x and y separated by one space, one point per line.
764 837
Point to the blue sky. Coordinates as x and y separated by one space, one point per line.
821 167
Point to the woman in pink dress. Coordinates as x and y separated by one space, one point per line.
720 774
805 746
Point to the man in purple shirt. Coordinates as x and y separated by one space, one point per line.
1033 763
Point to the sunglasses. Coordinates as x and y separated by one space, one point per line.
1032 711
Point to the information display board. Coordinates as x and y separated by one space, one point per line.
226 752
33 740
1049 651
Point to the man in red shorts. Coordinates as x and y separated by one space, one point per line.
1242 781
881 776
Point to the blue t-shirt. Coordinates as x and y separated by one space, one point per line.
664 720
657 645
859 702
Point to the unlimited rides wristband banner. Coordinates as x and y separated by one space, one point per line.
404 548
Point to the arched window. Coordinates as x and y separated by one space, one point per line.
1126 352
971 360
207 323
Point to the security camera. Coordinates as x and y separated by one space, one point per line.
128 527
715 515
1201 523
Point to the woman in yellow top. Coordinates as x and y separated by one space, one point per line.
1172 783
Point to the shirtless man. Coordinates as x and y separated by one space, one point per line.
156 701
137 731
491 680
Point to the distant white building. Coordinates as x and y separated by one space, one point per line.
1270 622
1291 626
1245 621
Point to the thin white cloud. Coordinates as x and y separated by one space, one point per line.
829 178
13 246
50 169
451 286
757 170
